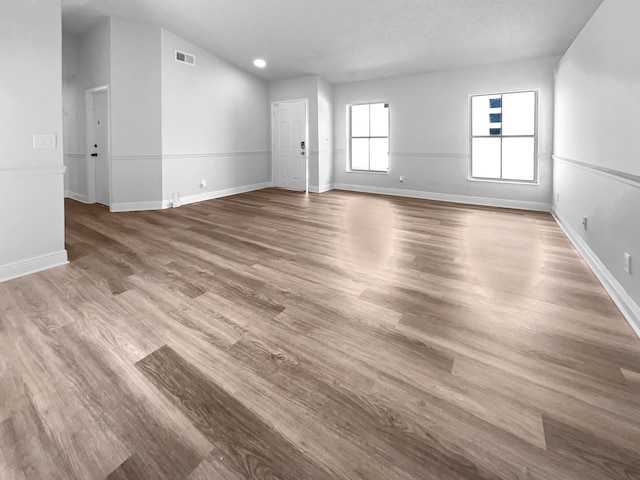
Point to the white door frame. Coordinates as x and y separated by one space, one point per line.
90 140
306 141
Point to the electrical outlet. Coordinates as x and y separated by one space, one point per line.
203 183
584 222
401 178
627 263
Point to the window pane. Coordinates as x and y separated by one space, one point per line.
518 113
518 158
379 154
360 154
486 113
360 121
379 120
485 158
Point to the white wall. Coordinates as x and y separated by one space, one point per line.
95 56
170 128
598 100
215 124
31 180
325 135
86 63
72 119
136 128
429 133
597 147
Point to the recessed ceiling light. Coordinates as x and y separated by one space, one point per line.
260 63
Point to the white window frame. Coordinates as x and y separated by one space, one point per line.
351 137
535 180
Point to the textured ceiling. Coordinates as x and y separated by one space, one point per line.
348 40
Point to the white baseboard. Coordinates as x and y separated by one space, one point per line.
33 265
321 189
448 197
202 197
80 197
136 206
628 307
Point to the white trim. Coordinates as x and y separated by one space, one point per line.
447 197
33 265
201 197
32 172
629 309
80 197
136 206
100 89
123 158
321 189
462 156
367 172
617 175
207 155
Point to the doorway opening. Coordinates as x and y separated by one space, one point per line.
97 145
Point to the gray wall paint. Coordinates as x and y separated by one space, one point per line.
598 91
325 134
215 123
86 62
612 207
72 116
429 132
136 129
95 56
31 180
171 124
597 124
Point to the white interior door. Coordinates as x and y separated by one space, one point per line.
99 148
290 145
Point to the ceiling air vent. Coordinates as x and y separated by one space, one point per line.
185 58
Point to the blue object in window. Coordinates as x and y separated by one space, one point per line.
495 118
495 103
495 131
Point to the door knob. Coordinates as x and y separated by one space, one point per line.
94 154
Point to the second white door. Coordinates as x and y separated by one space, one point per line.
290 145
100 150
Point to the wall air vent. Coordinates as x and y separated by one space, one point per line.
185 58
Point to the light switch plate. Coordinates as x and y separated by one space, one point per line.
44 140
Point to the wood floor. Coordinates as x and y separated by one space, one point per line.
277 335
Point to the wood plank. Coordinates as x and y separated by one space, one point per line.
251 447
575 444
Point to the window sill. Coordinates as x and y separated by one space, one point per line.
509 182
368 172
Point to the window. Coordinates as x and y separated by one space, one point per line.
503 137
369 137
